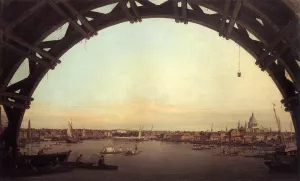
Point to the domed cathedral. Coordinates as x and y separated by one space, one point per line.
252 124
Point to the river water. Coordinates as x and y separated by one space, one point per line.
161 161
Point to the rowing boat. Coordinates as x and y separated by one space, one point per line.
92 166
131 153
37 172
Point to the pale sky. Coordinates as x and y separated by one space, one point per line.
174 76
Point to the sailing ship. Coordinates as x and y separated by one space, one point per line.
285 157
140 138
70 137
83 137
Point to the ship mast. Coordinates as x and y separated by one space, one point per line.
140 132
279 125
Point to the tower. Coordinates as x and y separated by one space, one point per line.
245 125
226 129
211 129
239 126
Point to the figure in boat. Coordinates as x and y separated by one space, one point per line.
101 161
79 159
56 163
41 152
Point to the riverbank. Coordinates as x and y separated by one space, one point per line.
162 161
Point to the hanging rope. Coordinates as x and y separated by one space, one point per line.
239 74
239 58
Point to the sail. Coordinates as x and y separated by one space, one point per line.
69 130
83 133
140 132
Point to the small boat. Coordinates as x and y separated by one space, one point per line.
132 152
111 150
279 167
47 159
71 141
225 154
47 147
255 156
38 172
198 148
92 166
260 154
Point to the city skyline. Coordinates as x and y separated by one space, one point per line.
184 78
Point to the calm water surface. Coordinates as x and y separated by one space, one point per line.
162 162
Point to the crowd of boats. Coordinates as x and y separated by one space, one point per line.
120 150
41 163
282 158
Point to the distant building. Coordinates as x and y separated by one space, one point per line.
121 131
234 135
252 124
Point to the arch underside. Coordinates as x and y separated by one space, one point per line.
26 24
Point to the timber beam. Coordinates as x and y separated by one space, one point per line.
180 16
18 85
225 17
15 96
264 61
135 10
25 15
82 19
184 17
29 56
271 59
227 25
291 102
232 21
175 10
76 26
48 44
123 5
31 47
145 2
15 104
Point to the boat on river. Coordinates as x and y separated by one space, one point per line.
38 172
283 160
70 136
111 150
197 148
132 152
279 167
47 147
47 159
92 166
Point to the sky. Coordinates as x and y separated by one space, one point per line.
158 72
